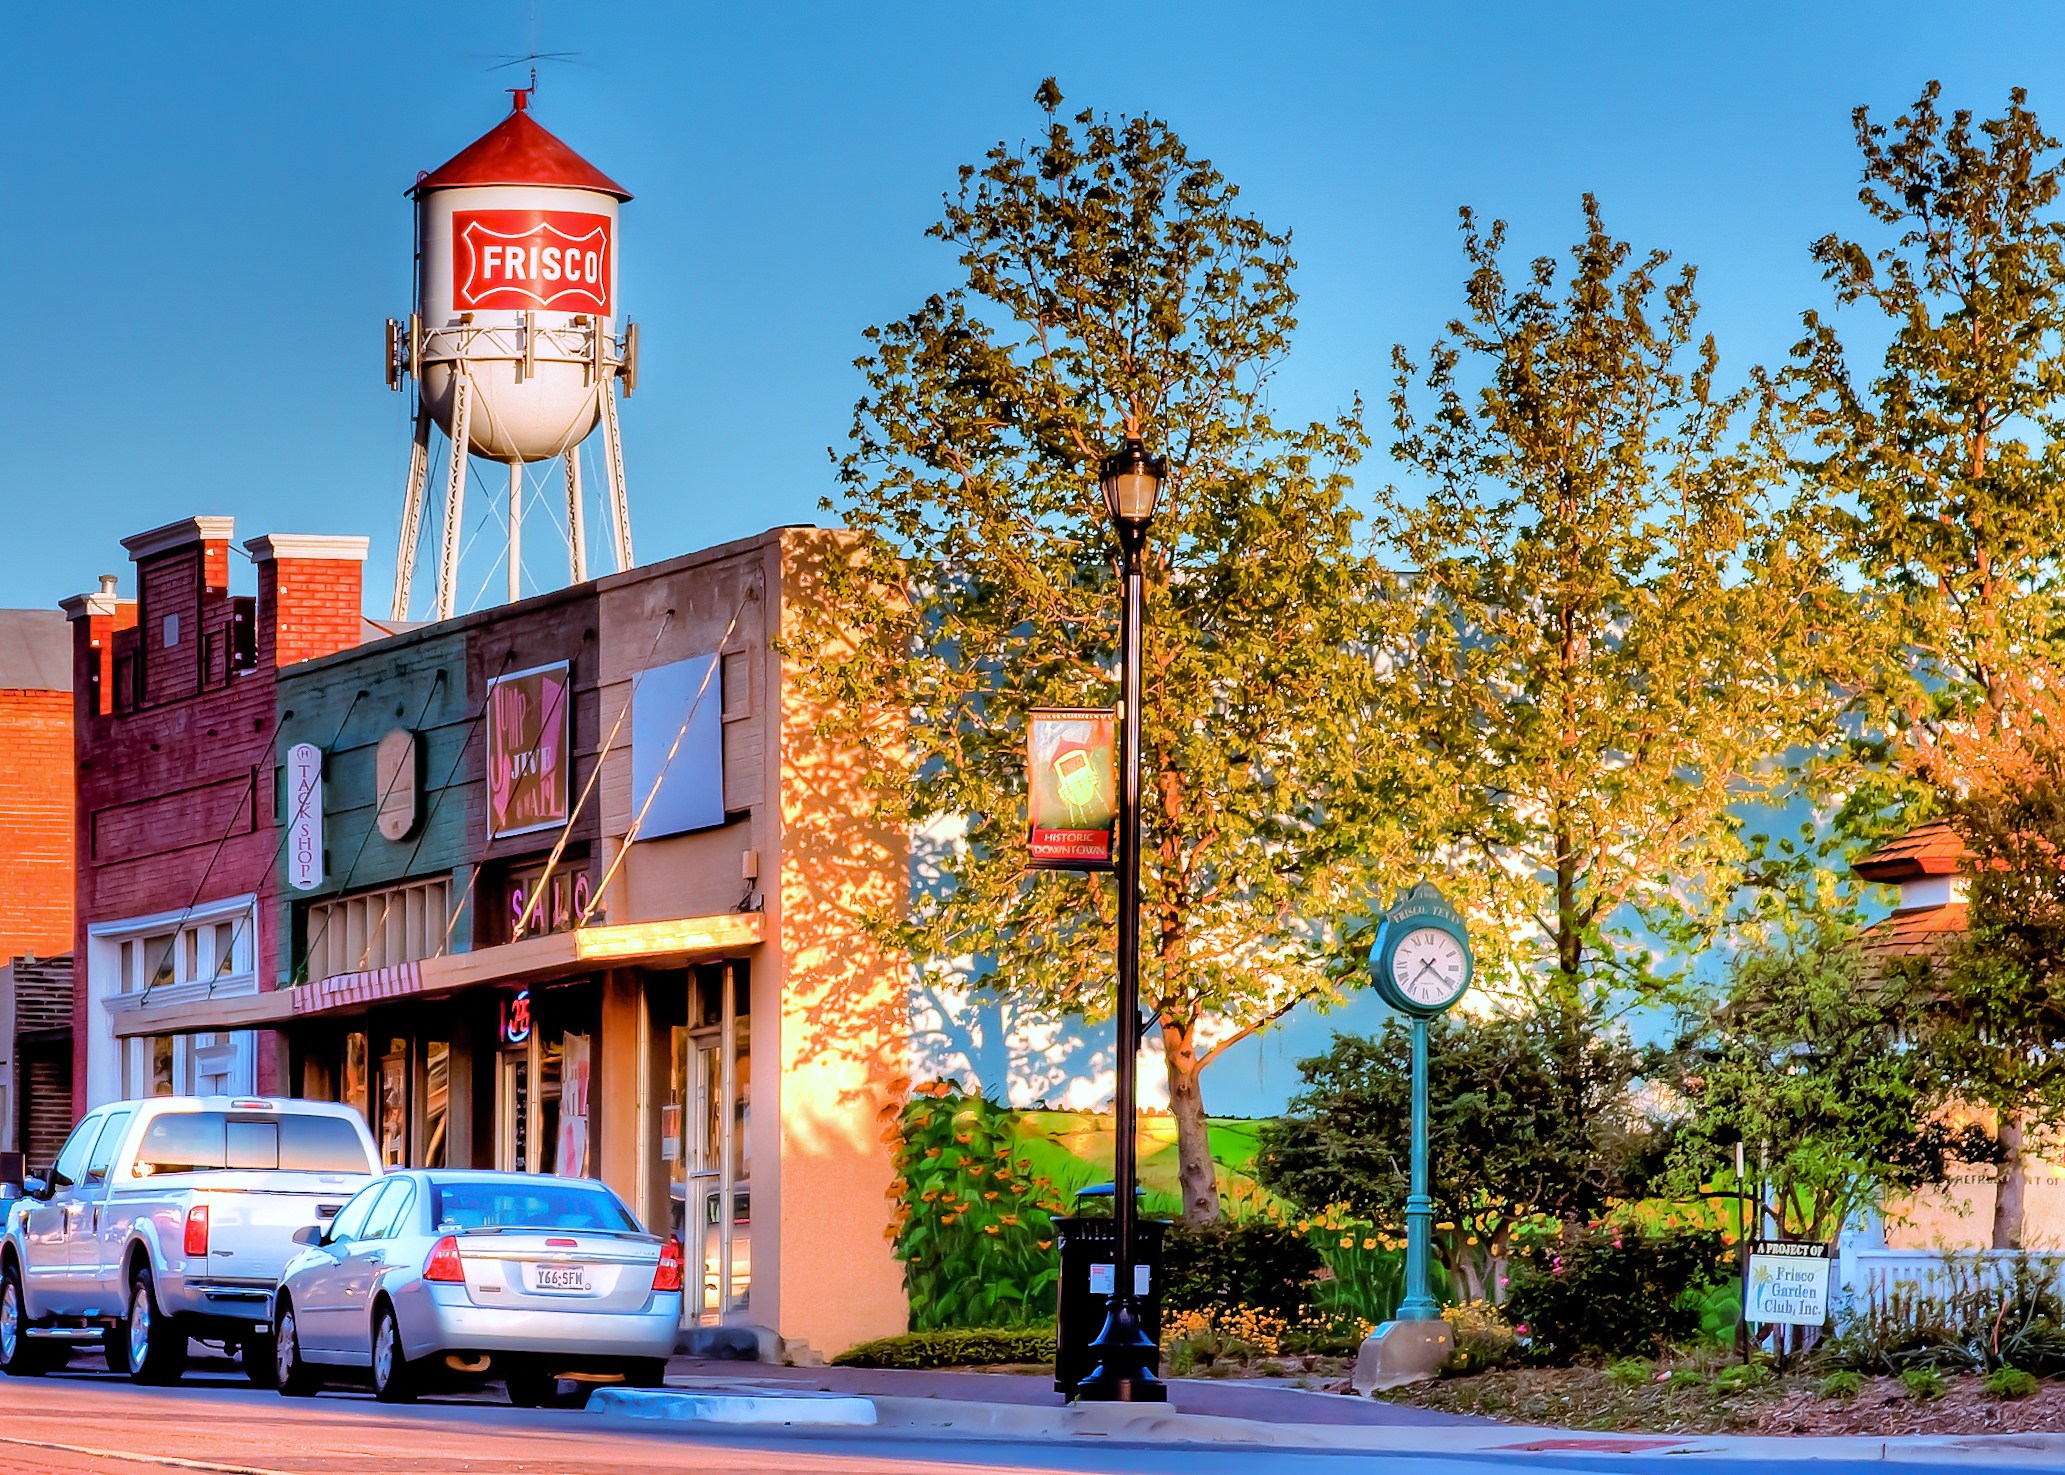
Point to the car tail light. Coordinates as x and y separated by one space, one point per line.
197 1230
668 1276
443 1263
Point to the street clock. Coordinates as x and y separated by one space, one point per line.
1421 963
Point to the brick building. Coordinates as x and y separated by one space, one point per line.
174 729
35 784
573 889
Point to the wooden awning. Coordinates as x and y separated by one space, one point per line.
541 959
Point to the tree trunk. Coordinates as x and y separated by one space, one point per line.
2011 1183
1197 1182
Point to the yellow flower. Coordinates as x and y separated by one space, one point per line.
1347 1241
1370 1243
991 1229
1304 1226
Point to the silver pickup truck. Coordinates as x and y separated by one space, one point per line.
167 1219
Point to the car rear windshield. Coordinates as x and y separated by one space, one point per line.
204 1141
526 1206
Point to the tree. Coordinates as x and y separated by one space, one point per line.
1811 1065
1612 637
1111 287
1521 1126
1998 1025
1941 471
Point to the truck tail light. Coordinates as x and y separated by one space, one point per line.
668 1276
197 1230
443 1264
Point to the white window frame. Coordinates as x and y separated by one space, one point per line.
118 1067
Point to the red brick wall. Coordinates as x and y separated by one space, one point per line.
317 603
36 819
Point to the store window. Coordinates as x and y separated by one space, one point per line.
208 957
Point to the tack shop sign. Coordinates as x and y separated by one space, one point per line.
1786 1283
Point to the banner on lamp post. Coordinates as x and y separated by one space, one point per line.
1071 784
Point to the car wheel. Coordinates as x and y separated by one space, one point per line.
157 1343
293 1377
393 1379
259 1355
531 1390
19 1356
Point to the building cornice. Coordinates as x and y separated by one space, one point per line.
182 534
329 547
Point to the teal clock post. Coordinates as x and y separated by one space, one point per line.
1421 965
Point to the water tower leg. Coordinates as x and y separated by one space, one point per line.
613 456
515 531
576 524
412 514
455 495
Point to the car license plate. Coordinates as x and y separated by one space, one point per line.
559 1277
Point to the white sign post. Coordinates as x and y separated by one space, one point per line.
1787 1283
304 816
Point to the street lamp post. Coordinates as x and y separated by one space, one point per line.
1126 1355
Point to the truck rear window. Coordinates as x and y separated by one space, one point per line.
205 1141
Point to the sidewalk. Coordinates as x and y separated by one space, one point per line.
1267 1402
1202 1411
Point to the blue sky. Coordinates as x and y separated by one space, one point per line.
206 222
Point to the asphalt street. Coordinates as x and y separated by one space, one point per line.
89 1422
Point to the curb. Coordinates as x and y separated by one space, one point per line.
732 1408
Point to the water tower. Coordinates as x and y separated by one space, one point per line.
512 344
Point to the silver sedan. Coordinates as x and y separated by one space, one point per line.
434 1276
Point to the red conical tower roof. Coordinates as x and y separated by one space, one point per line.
518 151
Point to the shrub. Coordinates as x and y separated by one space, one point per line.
1631 1372
1743 1377
1203 1340
1842 1383
1925 1382
1255 1263
2009 1382
971 1347
1612 1291
1331 1334
1975 1312
1484 1339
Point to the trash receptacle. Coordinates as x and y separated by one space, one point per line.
1088 1248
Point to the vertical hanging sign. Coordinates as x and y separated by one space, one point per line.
304 816
1071 786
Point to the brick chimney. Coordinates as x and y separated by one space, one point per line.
180 567
310 589
95 619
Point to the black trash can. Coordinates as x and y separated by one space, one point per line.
1084 1243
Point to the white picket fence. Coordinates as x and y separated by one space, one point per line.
1866 1274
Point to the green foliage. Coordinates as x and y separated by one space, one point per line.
1805 1062
1842 1383
1108 285
962 1347
1742 1377
1257 1263
1631 1372
974 1227
1530 1117
1363 1267
1925 1382
2010 1383
1483 1338
1605 636
1613 1291
1972 1313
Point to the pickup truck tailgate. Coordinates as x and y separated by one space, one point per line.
251 1223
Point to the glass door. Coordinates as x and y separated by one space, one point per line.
710 1069
513 1150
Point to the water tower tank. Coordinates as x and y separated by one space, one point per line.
513 343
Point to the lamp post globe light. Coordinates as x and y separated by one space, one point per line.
1126 1355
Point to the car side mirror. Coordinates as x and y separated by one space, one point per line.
35 1187
309 1234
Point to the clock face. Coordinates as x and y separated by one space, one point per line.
1429 968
